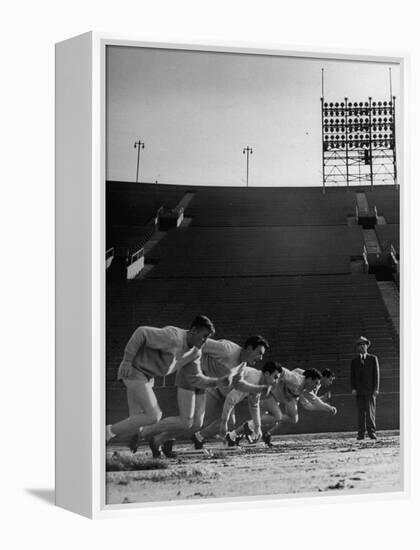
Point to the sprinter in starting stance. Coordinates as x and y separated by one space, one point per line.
281 405
154 352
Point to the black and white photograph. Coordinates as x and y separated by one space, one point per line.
214 295
252 275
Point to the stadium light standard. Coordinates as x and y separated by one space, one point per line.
248 151
138 145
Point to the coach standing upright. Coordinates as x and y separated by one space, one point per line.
365 386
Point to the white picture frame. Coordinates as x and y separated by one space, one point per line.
80 293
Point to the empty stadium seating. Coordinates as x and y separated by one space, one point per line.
388 234
131 237
274 261
310 321
257 251
137 203
387 201
250 207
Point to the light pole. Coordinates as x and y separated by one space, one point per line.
248 151
138 145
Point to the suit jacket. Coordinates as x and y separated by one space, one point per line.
365 377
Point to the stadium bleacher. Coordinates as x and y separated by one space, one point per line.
388 234
274 261
268 207
132 237
136 204
386 198
257 251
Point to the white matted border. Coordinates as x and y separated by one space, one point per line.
96 408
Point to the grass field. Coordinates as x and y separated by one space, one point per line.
306 463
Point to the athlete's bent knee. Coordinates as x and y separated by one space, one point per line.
187 423
196 426
154 416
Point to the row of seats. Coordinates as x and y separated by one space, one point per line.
387 201
270 261
301 206
388 234
130 237
306 319
137 203
246 251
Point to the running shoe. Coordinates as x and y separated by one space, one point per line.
134 443
154 448
232 441
198 445
248 433
266 437
167 448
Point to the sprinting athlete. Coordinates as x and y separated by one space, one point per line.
252 383
326 382
219 358
281 405
224 357
154 352
191 385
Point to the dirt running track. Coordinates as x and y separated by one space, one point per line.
309 463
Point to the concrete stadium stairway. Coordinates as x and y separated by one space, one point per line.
157 236
371 242
362 202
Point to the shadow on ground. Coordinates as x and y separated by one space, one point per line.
47 495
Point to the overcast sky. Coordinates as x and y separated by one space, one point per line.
196 111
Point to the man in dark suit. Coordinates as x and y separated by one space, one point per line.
365 386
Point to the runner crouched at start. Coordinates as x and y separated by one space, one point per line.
191 386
